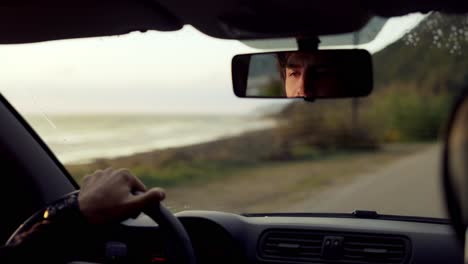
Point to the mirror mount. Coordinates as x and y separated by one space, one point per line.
308 43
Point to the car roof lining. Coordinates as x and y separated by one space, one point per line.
32 21
25 21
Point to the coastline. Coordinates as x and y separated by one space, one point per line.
233 148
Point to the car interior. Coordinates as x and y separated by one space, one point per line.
202 236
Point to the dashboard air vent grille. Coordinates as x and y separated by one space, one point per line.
287 245
374 249
307 246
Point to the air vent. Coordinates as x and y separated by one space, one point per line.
305 246
375 249
291 245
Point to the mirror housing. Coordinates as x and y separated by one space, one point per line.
455 167
314 74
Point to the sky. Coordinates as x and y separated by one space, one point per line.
153 72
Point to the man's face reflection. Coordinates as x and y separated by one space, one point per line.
295 71
309 75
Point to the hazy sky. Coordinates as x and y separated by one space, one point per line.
183 71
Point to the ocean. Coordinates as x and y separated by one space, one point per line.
83 138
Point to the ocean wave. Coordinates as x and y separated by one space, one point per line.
78 139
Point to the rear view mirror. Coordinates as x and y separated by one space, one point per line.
303 74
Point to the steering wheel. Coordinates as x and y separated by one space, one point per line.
177 242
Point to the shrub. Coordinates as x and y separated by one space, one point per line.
408 114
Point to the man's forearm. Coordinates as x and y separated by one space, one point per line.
51 239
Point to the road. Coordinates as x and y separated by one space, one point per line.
409 186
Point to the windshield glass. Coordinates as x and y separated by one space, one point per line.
162 105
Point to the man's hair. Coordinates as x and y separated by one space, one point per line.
282 58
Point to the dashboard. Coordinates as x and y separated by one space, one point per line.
219 237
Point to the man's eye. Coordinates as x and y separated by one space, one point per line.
294 74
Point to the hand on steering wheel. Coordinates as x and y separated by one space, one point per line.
115 195
109 196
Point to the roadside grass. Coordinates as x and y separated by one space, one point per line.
267 185
181 173
198 172
274 186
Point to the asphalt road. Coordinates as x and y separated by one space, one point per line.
409 186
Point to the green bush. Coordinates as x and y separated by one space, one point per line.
325 126
408 115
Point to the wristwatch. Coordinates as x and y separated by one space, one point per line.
63 217
65 210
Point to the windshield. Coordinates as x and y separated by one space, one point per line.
162 105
